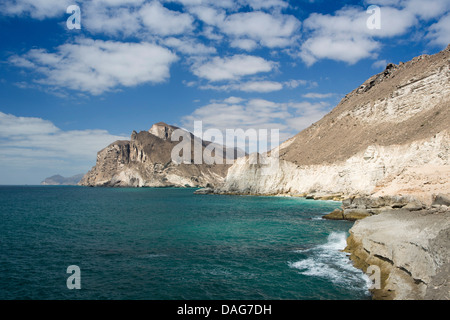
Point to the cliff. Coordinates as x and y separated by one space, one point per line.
384 151
411 250
390 136
145 161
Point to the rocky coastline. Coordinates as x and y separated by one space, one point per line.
384 152
406 239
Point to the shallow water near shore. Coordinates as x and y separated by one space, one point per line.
171 244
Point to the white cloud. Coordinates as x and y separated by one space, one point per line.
162 21
266 4
96 66
315 95
296 83
232 68
236 113
439 33
189 46
270 30
244 44
247 30
106 17
37 145
260 86
233 100
209 15
423 9
37 9
344 35
380 64
329 47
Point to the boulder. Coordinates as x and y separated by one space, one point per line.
335 215
204 191
356 214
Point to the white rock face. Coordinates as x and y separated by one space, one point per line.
145 161
361 174
410 98
391 131
411 250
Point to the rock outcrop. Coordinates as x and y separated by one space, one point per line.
146 161
411 249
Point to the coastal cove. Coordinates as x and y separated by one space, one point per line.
167 243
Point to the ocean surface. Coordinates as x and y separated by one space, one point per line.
164 244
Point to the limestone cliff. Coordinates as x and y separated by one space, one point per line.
145 161
384 150
390 136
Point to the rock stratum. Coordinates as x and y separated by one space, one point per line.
146 161
384 152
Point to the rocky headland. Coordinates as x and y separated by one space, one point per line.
146 161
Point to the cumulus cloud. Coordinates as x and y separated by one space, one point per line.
344 35
260 86
232 68
109 18
189 46
315 95
36 144
38 9
439 33
248 30
269 30
162 21
236 113
96 66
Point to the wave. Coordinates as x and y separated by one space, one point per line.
329 262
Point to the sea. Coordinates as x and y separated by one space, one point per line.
81 243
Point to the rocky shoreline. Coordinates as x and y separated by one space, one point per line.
409 245
406 239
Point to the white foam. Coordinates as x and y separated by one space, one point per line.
329 262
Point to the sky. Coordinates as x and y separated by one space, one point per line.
73 82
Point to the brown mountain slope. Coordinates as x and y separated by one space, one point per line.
390 136
146 161
404 103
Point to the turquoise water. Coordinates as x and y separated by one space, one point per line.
171 244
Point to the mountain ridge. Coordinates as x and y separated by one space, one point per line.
146 161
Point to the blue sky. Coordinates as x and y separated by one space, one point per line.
65 94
